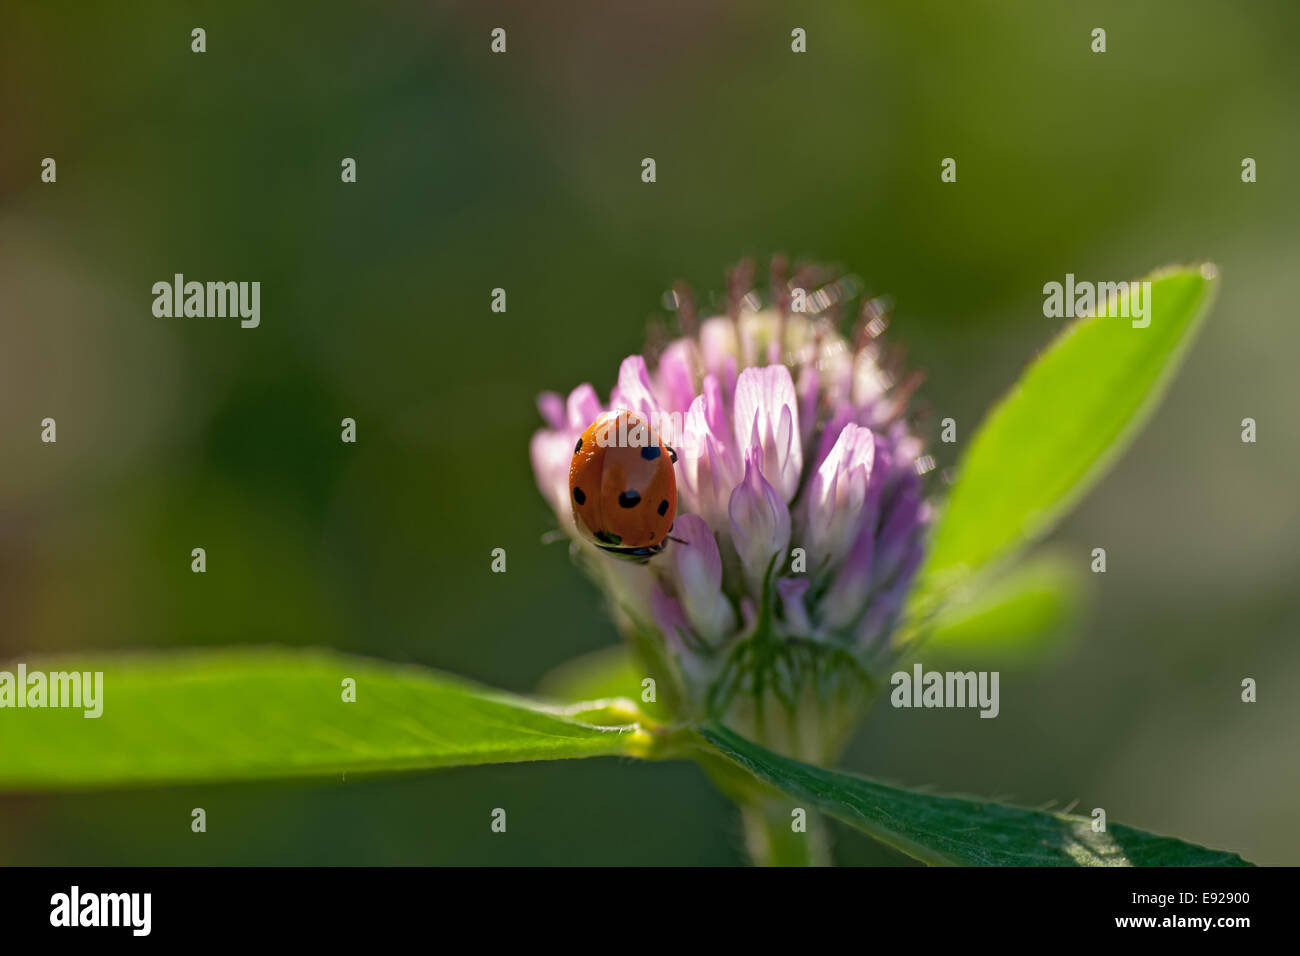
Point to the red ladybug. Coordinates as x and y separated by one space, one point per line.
623 487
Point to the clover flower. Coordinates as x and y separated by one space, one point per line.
801 512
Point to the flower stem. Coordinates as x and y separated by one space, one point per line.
775 835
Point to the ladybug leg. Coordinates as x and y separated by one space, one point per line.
672 453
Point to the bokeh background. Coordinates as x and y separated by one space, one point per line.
522 171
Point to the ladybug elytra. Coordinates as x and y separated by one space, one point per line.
622 486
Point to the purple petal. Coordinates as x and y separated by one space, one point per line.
697 573
633 391
675 376
837 494
551 452
760 523
852 583
669 618
708 467
583 407
551 407
901 528
767 421
886 605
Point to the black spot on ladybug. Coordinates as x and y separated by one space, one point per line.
672 453
650 452
608 537
663 508
629 499
579 496
578 447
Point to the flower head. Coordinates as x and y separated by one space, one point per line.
801 513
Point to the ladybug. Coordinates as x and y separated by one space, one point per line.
622 486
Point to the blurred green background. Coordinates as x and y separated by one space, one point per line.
522 171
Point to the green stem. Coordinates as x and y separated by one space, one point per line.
775 837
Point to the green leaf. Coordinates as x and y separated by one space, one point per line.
266 713
955 830
1016 619
1060 428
